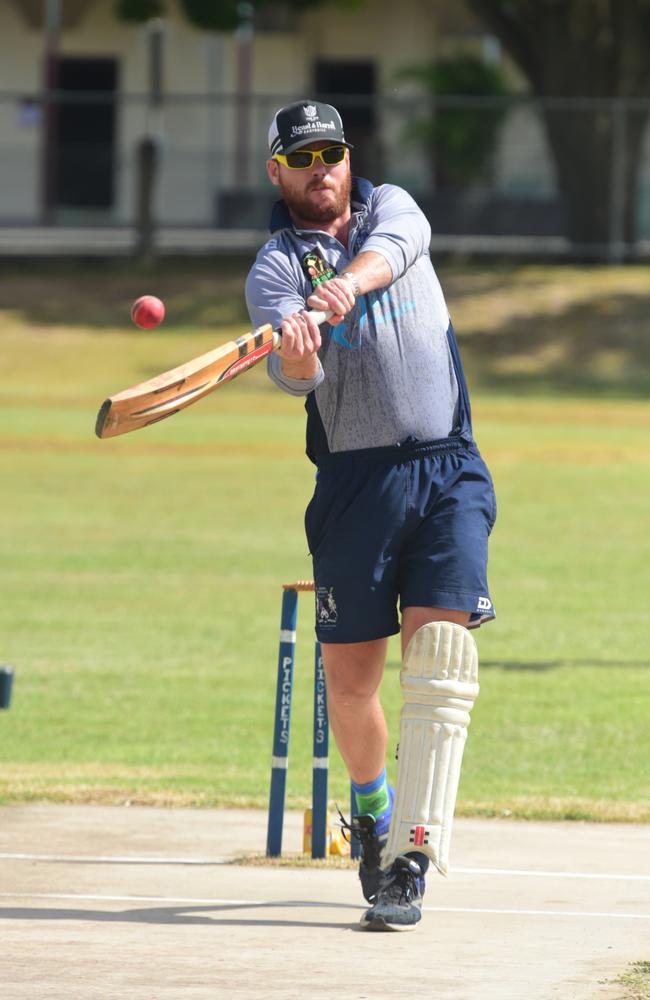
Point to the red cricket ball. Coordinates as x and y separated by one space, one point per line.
147 312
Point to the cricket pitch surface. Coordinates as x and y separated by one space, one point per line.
147 904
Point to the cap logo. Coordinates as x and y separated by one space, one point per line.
301 123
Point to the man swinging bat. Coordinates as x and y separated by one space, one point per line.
403 504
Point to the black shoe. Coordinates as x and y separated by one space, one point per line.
364 830
398 906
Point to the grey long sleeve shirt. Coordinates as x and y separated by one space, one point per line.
388 372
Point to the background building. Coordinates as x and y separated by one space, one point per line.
98 115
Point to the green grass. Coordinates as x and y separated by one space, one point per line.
636 982
140 586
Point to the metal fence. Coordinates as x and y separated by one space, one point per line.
558 176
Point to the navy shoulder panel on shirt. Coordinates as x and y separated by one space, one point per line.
361 191
280 218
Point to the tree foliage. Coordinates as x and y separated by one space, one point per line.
222 16
138 11
584 49
213 15
460 140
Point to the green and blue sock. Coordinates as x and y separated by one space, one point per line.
375 798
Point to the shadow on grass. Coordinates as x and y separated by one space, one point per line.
539 666
581 339
204 294
585 350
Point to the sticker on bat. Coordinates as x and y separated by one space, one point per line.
241 364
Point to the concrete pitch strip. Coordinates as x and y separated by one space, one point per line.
151 904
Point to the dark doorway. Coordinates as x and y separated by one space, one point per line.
351 87
83 145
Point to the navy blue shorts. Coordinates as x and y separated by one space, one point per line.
408 524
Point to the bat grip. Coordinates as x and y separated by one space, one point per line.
320 317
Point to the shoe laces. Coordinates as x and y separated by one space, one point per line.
362 829
403 882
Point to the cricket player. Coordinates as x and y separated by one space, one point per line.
403 504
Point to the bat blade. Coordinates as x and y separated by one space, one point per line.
166 394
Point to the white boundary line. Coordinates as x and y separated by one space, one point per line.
524 873
538 913
136 859
282 904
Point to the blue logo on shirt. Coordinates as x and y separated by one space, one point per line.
383 312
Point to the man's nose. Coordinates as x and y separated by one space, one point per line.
318 167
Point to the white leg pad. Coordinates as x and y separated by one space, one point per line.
439 681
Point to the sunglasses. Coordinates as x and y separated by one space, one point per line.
304 158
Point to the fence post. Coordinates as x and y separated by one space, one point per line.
146 173
617 204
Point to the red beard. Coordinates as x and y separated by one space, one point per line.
304 208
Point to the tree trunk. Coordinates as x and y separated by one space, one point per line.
597 155
573 49
636 123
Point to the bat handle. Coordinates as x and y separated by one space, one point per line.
320 317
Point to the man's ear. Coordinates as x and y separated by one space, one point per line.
273 170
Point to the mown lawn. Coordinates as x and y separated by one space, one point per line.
140 587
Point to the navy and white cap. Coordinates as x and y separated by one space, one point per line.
304 122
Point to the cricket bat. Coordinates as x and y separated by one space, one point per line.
167 394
